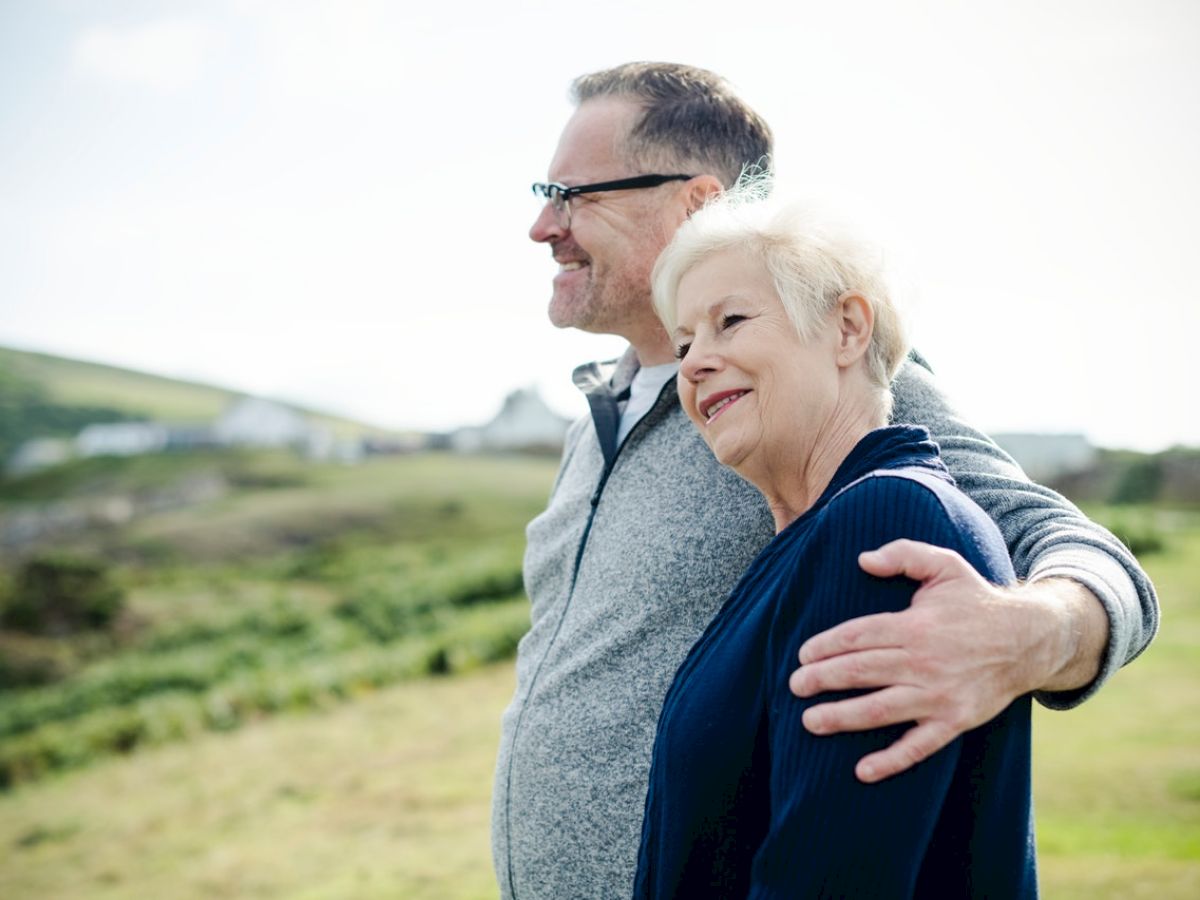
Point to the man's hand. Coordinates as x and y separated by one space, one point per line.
953 660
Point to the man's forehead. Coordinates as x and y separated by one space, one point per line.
590 147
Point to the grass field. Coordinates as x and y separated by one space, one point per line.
385 797
1117 782
380 788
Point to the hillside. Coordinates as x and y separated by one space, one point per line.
52 396
199 592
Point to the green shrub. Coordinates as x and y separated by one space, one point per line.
386 610
29 661
59 594
1140 481
461 641
1141 537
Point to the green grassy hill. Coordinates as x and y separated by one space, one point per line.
52 396
280 586
72 382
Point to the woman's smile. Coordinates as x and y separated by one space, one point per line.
715 404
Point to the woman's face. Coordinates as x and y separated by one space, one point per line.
757 392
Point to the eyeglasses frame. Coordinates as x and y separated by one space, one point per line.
559 195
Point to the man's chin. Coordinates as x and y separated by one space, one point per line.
564 314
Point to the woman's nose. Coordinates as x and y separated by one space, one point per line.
698 363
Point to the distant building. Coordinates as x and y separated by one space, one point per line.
121 439
322 445
257 422
524 422
39 453
1045 457
404 442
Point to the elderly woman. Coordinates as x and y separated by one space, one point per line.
787 342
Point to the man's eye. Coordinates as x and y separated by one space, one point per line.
681 350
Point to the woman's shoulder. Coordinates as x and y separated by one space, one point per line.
918 504
900 492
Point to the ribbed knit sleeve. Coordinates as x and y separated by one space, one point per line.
831 835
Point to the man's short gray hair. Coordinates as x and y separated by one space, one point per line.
693 123
812 261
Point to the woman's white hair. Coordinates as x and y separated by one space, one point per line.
812 260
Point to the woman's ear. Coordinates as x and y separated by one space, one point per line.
856 324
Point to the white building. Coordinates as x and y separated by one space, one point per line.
121 439
38 453
256 422
1046 456
524 422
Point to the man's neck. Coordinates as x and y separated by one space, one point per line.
654 349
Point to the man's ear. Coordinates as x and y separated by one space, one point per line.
856 323
699 189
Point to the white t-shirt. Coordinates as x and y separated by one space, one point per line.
644 390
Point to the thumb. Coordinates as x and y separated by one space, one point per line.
914 559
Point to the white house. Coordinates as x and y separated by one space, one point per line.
1046 456
524 422
256 422
121 439
38 453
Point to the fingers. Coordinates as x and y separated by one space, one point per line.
866 669
864 633
914 559
938 726
918 743
888 706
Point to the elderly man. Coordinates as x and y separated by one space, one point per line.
645 533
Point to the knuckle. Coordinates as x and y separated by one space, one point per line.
846 636
914 753
875 710
944 700
925 670
958 719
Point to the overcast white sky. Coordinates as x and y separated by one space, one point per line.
328 201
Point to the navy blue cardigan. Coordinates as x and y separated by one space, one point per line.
743 801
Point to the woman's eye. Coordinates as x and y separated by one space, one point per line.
730 319
681 350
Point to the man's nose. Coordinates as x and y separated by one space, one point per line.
546 227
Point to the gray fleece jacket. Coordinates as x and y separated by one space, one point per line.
636 552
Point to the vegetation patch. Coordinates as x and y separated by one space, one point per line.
351 579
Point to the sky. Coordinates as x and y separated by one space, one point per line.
327 201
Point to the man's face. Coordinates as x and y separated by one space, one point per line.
606 255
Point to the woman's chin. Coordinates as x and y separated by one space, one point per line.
731 456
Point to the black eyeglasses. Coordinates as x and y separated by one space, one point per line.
559 195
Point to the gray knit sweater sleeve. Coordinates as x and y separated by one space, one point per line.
1047 535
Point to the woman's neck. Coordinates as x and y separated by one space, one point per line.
791 487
